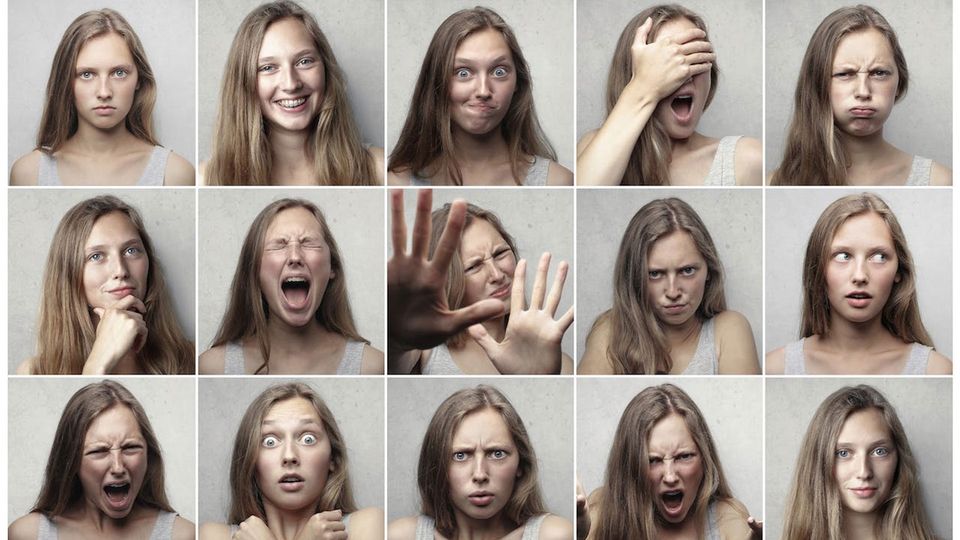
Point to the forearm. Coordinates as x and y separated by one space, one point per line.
603 161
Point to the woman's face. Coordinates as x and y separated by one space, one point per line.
105 81
675 469
488 264
290 76
294 458
295 266
865 462
115 261
676 278
483 465
680 112
482 83
861 268
863 87
114 462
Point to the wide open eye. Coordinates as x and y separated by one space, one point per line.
308 439
270 441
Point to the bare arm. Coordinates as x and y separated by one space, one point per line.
774 362
748 164
558 175
376 153
737 354
594 360
179 171
372 361
940 175
25 170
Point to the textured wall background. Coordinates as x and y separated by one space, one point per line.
354 30
544 30
356 403
539 220
735 29
924 406
791 215
355 217
34 408
545 405
168 215
166 30
731 407
921 123
733 218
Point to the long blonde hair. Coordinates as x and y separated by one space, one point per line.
627 508
814 509
435 452
59 120
247 310
901 314
426 144
637 342
815 153
241 146
66 330
649 162
246 499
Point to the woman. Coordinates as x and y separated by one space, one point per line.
663 477
289 475
97 124
856 476
288 310
657 90
284 116
860 313
106 307
477 475
669 313
472 120
482 268
104 476
852 74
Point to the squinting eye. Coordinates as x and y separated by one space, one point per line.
270 441
684 458
688 271
459 456
880 73
309 439
843 75
471 269
305 62
654 274
265 69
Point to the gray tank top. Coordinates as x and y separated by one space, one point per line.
795 364
536 174
346 524
441 363
721 171
711 531
152 175
426 528
920 171
350 364
704 361
162 528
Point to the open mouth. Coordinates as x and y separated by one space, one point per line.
672 501
291 482
117 493
296 291
291 104
682 106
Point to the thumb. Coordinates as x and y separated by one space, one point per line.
331 515
486 342
477 313
643 31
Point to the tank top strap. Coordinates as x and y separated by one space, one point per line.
163 529
711 531
352 360
156 167
233 363
793 363
531 529
441 362
47 529
918 359
920 171
722 171
704 361
425 528
47 170
537 173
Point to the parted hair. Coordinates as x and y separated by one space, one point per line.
815 509
246 498
426 145
435 452
649 161
901 314
814 152
59 120
66 329
61 487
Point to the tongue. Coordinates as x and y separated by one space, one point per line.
296 296
117 495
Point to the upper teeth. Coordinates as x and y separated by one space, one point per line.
291 103
295 279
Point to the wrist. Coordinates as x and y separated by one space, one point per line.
640 95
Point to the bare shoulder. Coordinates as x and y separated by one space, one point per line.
584 141
179 171
731 323
774 362
184 529
558 175
404 178
25 528
201 173
732 519
366 523
748 162
212 361
372 361
940 175
566 364
555 527
594 360
939 364
26 367
25 169
404 528
376 153
214 531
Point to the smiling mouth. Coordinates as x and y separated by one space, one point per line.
296 291
291 103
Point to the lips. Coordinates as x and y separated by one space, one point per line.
480 498
502 292
863 112
296 291
481 108
859 299
672 503
674 309
104 110
118 495
291 104
122 291
864 492
291 482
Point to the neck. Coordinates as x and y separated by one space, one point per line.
291 341
683 146
849 337
678 334
91 140
289 151
91 514
859 526
286 524
865 150
495 527
480 149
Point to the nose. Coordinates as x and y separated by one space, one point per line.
116 462
495 273
294 253
480 475
291 80
670 472
673 287
864 468
119 269
862 90
104 89
860 271
290 456
483 90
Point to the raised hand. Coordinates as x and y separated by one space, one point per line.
531 343
583 513
418 316
324 526
253 528
663 66
120 329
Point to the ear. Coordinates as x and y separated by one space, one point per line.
897 278
333 275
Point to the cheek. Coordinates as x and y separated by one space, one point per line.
459 91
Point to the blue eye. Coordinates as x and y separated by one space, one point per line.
500 72
462 73
270 442
843 453
268 68
132 250
95 257
85 75
459 456
308 439
305 62
688 271
120 73
498 454
881 452
880 74
842 256
655 274
879 258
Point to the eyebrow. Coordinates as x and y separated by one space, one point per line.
296 54
498 60
128 67
125 243
871 445
302 422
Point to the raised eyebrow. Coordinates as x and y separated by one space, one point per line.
294 55
301 422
